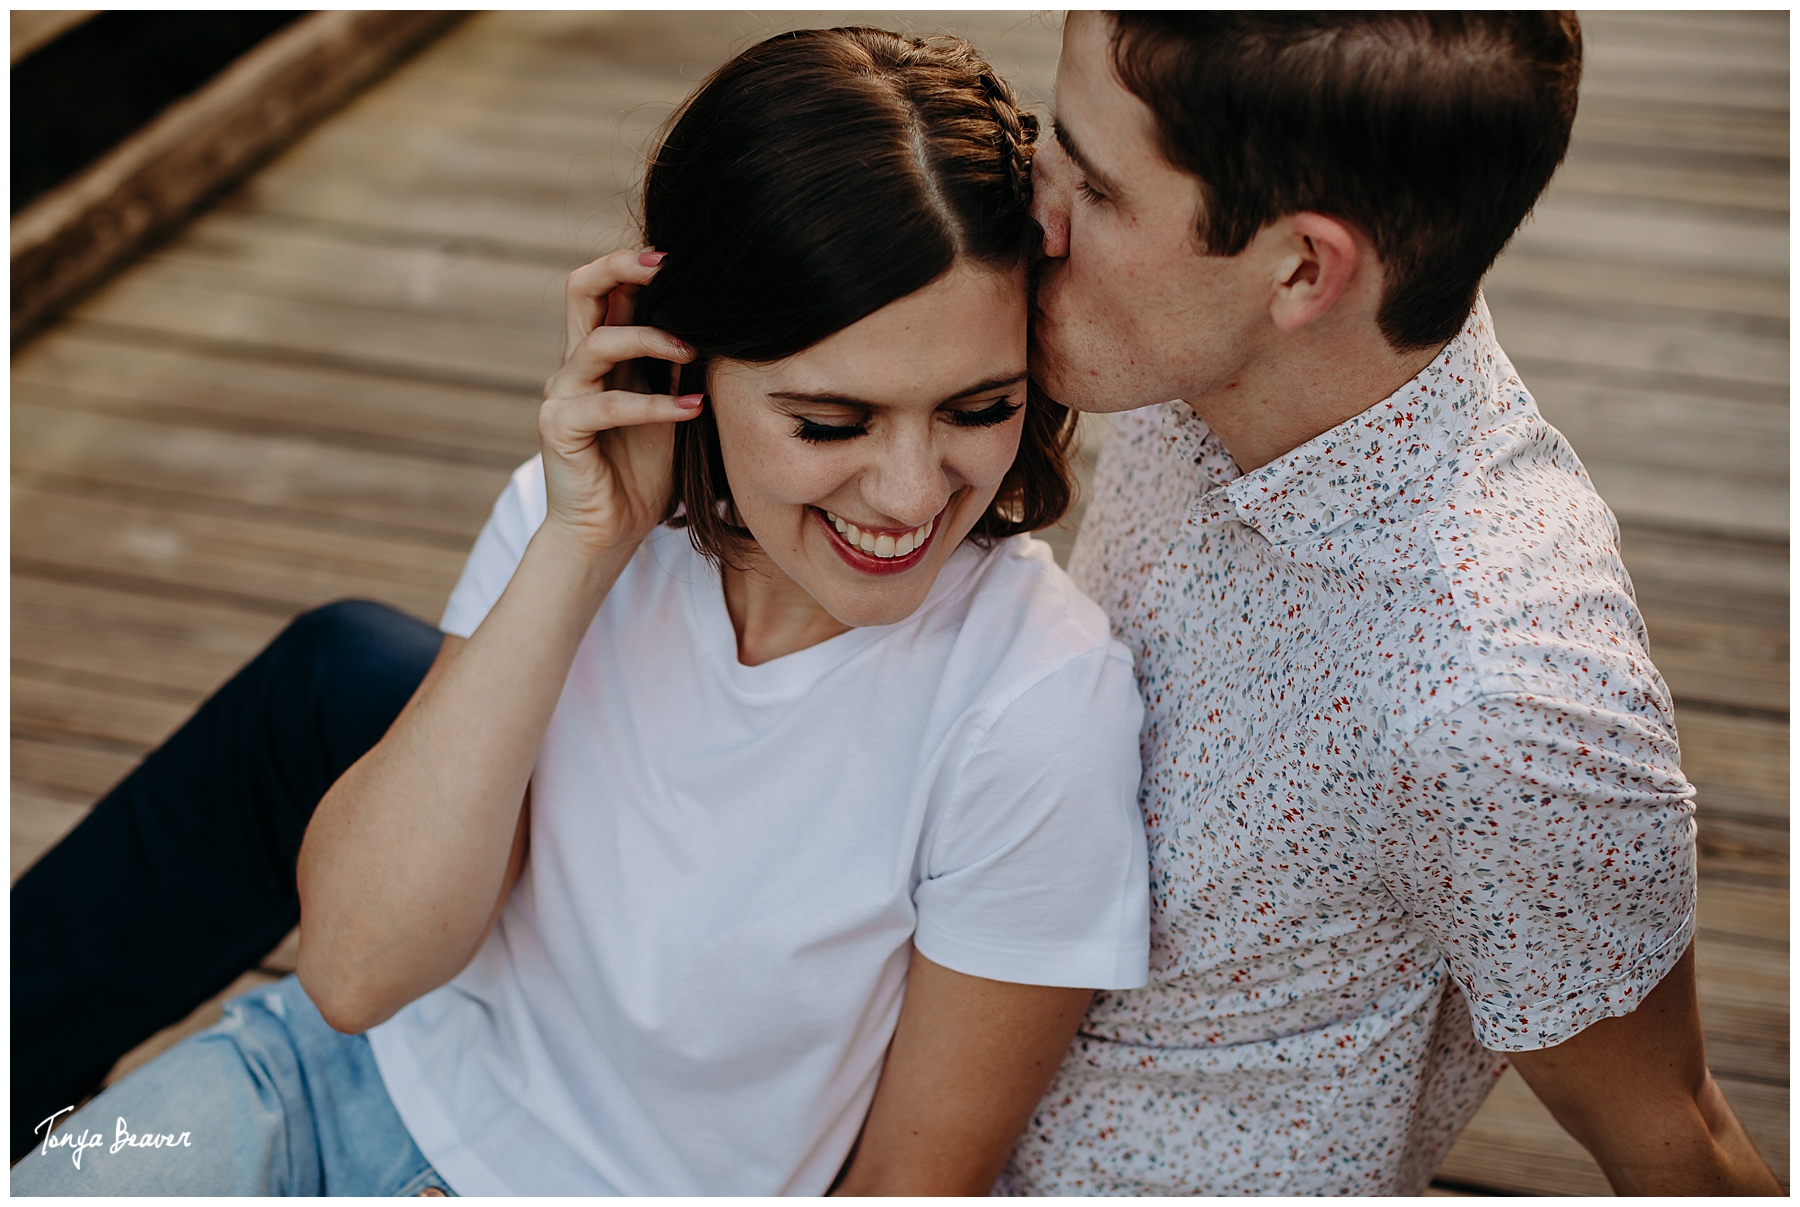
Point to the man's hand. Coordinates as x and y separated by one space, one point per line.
1635 1091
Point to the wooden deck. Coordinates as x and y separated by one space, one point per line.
318 388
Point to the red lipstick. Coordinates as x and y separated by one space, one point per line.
867 563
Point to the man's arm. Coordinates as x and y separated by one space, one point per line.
1635 1091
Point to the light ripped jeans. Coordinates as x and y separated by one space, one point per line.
269 1101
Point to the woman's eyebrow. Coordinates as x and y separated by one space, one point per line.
980 387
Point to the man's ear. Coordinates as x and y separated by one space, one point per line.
1319 259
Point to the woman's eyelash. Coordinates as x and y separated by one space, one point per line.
1093 195
825 433
1000 412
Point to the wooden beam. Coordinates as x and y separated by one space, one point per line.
70 238
32 28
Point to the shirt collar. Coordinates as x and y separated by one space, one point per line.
1392 448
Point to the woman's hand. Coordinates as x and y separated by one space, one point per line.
609 445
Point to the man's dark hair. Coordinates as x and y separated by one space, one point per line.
812 180
1433 133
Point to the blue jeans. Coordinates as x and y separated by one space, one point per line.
183 876
269 1101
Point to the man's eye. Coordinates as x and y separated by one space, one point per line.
825 433
1090 194
1000 412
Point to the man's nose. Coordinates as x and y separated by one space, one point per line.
1050 196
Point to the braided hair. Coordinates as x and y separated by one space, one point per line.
809 182
958 104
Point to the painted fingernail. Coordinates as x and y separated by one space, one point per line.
650 259
689 402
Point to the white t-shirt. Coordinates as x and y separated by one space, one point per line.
692 989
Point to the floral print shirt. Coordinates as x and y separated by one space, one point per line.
1411 785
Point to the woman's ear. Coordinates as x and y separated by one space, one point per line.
1319 259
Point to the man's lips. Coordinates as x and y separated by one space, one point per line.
886 541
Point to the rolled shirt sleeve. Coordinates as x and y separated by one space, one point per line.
1548 845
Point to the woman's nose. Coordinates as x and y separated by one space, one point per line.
910 483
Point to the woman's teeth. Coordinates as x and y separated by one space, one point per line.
884 545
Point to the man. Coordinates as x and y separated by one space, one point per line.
1411 781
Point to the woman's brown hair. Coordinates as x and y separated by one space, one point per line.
812 180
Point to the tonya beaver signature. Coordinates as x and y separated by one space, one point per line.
122 1138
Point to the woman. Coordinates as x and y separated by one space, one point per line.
767 816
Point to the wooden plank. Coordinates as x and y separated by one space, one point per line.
1708 575
1667 430
39 821
1706 661
279 567
472 123
151 460
1722 162
1743 1006
76 630
43 707
1592 228
77 232
1692 350
73 368
34 28
524 146
523 45
279 258
1748 506
74 771
1660 126
626 69
496 355
580 224
1742 848
1523 278
1756 30
1766 193
1675 459
1745 914
1650 79
1740 761
1723 68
